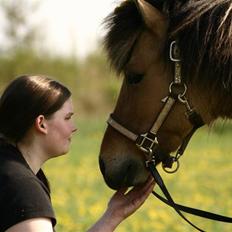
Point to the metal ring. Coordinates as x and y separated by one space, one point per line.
179 94
172 170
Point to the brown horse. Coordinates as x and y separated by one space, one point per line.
139 43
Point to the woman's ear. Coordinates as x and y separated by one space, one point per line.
40 124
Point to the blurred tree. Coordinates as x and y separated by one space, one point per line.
100 82
19 37
93 86
19 32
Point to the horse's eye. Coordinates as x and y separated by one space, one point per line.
133 78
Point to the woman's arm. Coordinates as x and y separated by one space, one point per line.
121 206
32 225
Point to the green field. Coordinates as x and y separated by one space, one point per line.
204 180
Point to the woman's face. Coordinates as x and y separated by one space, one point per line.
60 129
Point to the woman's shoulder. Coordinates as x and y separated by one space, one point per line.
24 198
15 173
18 180
13 166
22 194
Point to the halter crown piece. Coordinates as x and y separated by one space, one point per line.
148 142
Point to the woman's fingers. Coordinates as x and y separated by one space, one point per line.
124 203
142 189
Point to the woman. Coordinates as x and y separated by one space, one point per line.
36 125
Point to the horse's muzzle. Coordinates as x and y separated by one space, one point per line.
125 174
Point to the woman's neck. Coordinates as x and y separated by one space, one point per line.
33 155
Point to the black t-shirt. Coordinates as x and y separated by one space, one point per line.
23 195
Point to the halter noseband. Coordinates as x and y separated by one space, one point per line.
148 142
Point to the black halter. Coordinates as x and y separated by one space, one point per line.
148 142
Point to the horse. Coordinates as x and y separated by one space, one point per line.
175 58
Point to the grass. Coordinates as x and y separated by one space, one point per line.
80 195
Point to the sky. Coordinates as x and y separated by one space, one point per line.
68 26
72 26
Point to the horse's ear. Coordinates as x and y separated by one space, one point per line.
153 18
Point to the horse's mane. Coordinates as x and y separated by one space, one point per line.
203 29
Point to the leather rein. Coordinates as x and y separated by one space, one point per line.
148 142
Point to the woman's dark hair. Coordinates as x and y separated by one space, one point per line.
24 99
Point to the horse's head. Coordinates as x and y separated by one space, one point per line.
138 44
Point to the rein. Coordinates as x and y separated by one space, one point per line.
148 142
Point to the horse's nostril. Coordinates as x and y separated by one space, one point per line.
118 174
102 166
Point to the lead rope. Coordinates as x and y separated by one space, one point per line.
177 207
159 181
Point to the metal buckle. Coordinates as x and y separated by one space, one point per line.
174 52
145 143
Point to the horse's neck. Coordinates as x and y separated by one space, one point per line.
210 104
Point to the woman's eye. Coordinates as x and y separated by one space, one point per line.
68 117
133 78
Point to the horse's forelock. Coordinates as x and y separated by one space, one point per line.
124 26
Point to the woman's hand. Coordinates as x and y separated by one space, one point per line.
122 205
